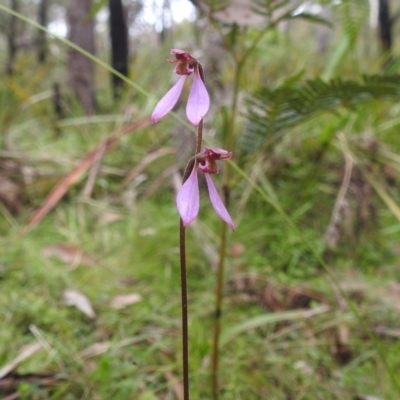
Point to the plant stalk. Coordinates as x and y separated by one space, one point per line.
199 137
185 336
182 251
223 243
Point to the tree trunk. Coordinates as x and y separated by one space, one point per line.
41 38
81 68
58 108
119 43
12 38
385 25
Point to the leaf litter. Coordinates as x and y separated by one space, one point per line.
80 301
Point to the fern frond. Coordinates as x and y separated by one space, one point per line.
352 15
214 6
312 18
271 111
267 7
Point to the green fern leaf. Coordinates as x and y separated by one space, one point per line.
272 111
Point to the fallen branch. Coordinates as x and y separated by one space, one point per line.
72 177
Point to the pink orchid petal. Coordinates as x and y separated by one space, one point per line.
217 203
188 199
198 102
166 104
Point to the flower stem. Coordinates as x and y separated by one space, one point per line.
184 301
185 338
182 251
199 136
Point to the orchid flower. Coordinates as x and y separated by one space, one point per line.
188 199
198 102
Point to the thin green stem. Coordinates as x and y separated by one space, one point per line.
223 244
227 43
255 43
240 59
218 313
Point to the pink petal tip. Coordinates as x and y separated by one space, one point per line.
216 201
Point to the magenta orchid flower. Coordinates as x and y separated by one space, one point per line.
198 102
188 199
